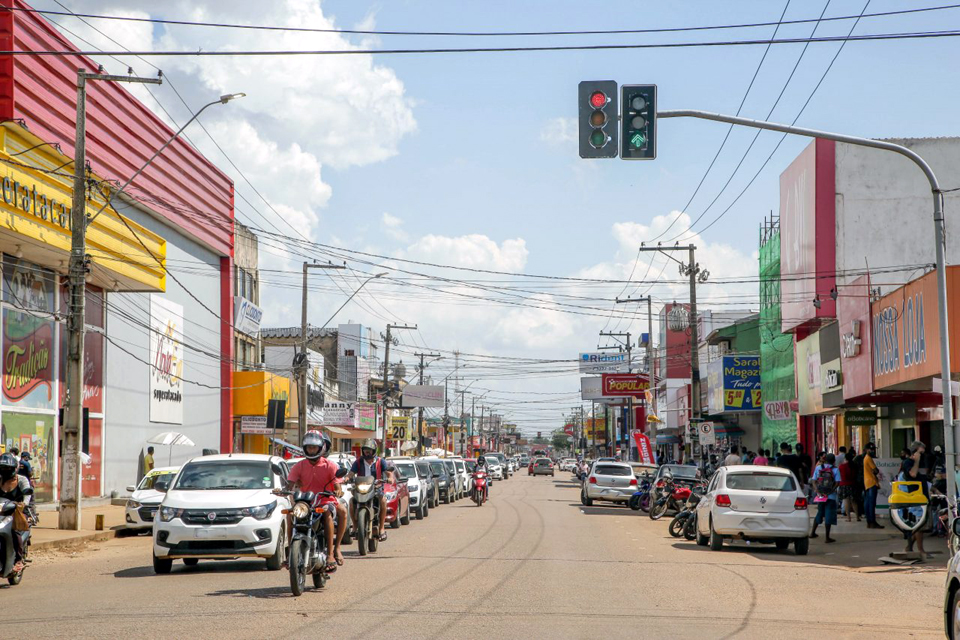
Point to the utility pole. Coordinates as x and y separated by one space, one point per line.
650 363
301 364
473 412
696 274
463 408
630 415
388 340
420 412
446 412
79 267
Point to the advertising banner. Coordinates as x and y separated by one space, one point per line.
644 449
27 360
798 249
246 316
339 414
255 424
808 375
166 360
777 409
602 362
422 395
366 415
739 384
400 429
33 432
624 385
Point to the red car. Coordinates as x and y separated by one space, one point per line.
398 504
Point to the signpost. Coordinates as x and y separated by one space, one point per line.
707 434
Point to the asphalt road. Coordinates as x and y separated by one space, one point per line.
531 563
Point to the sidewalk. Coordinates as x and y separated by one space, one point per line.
46 536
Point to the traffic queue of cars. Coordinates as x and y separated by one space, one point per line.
759 504
225 506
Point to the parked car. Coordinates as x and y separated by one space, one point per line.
494 468
951 595
503 464
682 473
643 469
759 504
543 467
524 460
466 480
566 464
455 479
398 502
221 507
145 500
609 482
446 484
426 478
406 469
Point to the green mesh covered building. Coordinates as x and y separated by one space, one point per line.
776 348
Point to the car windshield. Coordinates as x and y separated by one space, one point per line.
492 460
451 468
470 465
424 469
460 466
437 467
612 470
679 470
761 482
405 470
149 481
226 474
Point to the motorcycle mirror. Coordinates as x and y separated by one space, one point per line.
8 508
341 472
956 526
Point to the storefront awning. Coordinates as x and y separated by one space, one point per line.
668 439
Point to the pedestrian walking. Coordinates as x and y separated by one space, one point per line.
733 457
806 465
841 456
789 460
826 480
912 473
148 463
845 492
762 458
871 485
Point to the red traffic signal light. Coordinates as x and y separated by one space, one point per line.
598 99
597 106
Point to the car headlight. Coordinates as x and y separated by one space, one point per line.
133 504
169 513
300 510
364 487
260 513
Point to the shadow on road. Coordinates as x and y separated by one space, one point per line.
208 566
266 593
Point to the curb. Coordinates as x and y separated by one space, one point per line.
74 541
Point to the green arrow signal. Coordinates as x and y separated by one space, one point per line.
638 139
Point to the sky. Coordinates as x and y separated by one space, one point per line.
470 160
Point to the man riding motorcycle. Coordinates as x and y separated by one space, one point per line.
16 488
370 464
317 473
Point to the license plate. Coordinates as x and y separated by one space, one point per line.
210 533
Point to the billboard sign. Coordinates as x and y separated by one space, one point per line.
624 385
255 425
400 429
600 362
366 413
166 361
422 395
246 316
339 414
777 410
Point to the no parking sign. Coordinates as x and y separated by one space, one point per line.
706 433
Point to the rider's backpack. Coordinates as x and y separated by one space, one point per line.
825 482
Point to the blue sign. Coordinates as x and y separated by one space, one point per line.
734 384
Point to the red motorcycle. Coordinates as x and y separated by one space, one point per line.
669 495
480 487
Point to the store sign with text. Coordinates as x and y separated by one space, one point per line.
624 385
246 316
777 410
339 414
734 384
166 360
601 362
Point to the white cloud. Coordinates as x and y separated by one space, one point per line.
559 131
393 226
474 250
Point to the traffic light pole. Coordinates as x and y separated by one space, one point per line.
950 425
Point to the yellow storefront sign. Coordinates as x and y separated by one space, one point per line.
253 390
400 428
36 192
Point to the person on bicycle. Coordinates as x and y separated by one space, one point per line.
317 473
370 464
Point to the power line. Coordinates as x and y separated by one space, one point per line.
499 34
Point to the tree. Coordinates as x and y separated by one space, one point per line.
560 441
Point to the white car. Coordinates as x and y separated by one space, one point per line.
760 504
494 468
567 464
467 479
220 507
407 470
145 500
609 482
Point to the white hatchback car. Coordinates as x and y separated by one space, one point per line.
609 481
222 507
494 467
406 469
145 500
756 503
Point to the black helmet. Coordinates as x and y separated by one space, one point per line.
25 455
8 466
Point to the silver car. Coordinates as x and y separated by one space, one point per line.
610 482
951 600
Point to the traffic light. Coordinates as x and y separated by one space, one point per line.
539 434
597 100
638 131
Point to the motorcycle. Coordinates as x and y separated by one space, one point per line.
8 556
681 521
669 495
640 501
366 501
479 487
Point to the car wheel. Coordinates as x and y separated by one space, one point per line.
801 546
954 621
162 565
275 562
426 510
396 523
585 500
716 540
446 497
191 562
782 543
405 519
418 513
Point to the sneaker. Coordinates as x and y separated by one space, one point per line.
829 540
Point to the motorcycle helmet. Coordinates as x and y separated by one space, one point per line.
316 439
8 466
25 455
369 443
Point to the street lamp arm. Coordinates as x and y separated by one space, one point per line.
362 285
221 100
